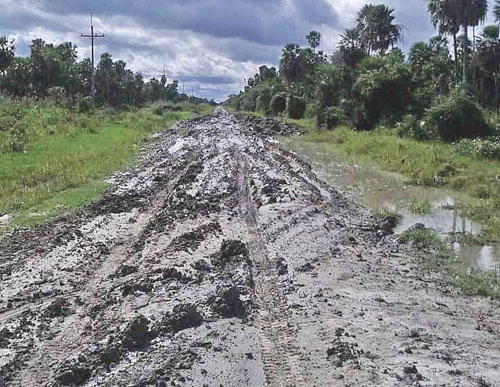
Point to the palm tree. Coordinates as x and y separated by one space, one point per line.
444 17
376 28
496 11
450 15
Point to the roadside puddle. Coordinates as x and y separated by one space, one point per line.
432 207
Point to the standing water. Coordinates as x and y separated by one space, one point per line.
432 207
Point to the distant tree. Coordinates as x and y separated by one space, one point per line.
351 49
7 52
314 39
377 30
496 11
290 62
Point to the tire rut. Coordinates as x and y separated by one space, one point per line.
280 353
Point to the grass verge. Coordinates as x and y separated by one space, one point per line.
62 157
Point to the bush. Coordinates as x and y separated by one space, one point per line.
383 90
488 148
295 107
263 100
455 117
412 127
85 104
278 103
247 103
330 117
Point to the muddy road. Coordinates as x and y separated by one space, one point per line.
221 260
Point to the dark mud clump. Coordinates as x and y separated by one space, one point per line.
144 285
201 265
192 240
183 316
74 372
231 252
117 204
228 303
171 273
137 335
126 270
59 308
343 351
5 336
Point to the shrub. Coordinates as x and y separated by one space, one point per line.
295 107
382 90
455 117
263 101
248 103
85 104
411 127
334 116
488 148
278 103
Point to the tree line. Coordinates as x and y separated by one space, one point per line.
429 93
53 71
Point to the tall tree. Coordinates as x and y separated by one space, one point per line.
376 26
314 39
470 14
7 51
496 11
444 17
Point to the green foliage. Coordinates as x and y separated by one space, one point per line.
295 107
85 104
278 103
384 88
331 117
455 117
419 206
387 219
411 127
479 284
264 100
53 157
423 237
487 148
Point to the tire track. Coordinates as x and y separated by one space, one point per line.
280 353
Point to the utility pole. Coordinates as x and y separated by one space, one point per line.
92 37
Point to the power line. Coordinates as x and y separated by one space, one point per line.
92 37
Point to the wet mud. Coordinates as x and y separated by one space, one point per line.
222 260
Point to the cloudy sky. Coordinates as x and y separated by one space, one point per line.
210 45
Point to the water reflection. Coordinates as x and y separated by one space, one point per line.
377 189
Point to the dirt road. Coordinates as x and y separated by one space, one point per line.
222 260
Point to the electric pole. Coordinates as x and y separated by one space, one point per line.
92 37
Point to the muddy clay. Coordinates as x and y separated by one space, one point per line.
222 260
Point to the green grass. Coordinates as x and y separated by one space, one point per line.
479 284
419 206
67 156
422 163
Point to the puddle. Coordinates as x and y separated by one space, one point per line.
377 189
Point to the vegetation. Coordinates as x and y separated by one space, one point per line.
475 283
53 159
430 95
53 72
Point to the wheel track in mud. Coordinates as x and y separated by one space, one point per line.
280 353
